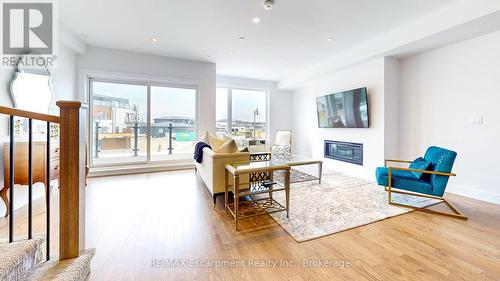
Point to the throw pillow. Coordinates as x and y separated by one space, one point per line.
227 147
206 137
223 136
227 137
245 149
215 142
419 164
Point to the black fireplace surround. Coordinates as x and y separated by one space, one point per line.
344 151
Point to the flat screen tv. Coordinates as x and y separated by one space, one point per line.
347 109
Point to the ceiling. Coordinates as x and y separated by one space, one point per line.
290 37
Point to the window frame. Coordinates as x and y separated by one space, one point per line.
142 81
229 106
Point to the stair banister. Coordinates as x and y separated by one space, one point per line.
72 180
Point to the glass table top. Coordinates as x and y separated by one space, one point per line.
294 160
242 167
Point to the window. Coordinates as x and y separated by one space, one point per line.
243 114
221 124
139 123
173 125
113 127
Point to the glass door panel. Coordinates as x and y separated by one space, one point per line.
173 123
119 123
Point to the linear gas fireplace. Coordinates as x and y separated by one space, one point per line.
344 151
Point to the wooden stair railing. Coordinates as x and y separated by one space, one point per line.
71 175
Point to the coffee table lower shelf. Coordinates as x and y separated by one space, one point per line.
256 207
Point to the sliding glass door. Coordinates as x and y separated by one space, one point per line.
173 122
118 117
138 123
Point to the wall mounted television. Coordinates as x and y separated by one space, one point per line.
347 109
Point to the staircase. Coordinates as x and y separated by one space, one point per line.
31 259
25 260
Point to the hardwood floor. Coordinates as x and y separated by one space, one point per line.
139 222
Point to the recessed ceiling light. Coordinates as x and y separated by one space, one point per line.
154 39
231 53
329 39
256 20
268 4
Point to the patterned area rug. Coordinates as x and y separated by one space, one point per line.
295 176
341 202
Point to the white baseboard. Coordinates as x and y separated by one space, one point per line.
474 193
138 169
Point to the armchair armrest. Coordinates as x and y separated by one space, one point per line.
421 171
395 161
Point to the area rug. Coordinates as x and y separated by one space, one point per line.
295 176
339 203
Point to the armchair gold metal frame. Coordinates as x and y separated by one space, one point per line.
456 213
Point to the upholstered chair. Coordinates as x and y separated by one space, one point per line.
283 138
426 177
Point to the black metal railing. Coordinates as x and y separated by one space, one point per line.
48 175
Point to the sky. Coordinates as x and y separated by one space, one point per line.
244 103
167 101
164 101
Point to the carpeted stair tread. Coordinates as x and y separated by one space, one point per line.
67 270
19 257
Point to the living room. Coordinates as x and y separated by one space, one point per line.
231 140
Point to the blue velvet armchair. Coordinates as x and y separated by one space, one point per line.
429 182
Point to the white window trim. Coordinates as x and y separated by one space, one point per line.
86 75
230 88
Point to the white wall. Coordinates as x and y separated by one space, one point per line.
279 102
308 138
391 108
64 86
441 91
125 64
63 77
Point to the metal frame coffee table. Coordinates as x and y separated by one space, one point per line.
260 176
292 161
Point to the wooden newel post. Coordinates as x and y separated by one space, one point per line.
71 180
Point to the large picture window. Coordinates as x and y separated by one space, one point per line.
242 113
140 122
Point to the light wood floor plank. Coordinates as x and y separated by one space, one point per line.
138 219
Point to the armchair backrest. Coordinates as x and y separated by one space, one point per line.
283 137
442 161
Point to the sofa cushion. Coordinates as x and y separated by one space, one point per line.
420 164
403 180
227 147
215 142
